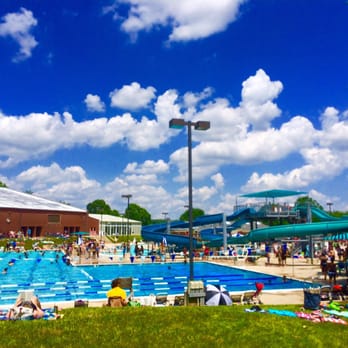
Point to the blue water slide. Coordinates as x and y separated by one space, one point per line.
158 232
170 239
214 238
242 213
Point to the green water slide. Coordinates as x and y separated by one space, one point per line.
295 230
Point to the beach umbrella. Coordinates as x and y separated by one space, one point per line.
217 295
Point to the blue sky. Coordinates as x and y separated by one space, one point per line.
88 88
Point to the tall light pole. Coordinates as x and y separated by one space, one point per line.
179 123
329 204
128 198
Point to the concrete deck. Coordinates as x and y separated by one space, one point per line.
301 269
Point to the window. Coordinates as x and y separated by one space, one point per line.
53 219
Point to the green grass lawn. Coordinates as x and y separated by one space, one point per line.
172 327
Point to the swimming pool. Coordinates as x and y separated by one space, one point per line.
54 281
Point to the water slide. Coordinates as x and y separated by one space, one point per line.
158 232
318 213
329 225
285 231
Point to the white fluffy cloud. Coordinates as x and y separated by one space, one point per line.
319 164
54 132
234 139
189 20
17 26
94 103
148 167
70 185
257 99
132 97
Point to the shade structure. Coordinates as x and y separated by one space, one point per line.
273 194
217 295
80 233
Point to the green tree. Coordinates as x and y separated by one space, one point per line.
99 206
302 204
135 212
303 201
196 212
114 212
2 184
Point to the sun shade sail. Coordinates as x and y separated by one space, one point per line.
273 194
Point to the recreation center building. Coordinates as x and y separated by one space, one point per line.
33 216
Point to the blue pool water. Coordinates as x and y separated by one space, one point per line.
54 281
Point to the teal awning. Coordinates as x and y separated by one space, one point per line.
273 194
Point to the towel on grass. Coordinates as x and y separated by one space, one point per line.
285 313
339 313
319 317
316 316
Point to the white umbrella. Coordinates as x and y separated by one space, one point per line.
217 295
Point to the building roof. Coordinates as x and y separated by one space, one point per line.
113 218
19 200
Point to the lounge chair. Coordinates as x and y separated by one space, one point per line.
237 298
248 297
179 300
161 300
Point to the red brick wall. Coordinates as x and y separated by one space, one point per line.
40 223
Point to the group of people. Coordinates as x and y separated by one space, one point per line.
282 252
329 266
28 308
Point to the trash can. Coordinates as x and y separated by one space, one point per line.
195 293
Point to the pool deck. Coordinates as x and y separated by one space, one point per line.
301 269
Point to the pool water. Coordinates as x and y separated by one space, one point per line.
54 281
